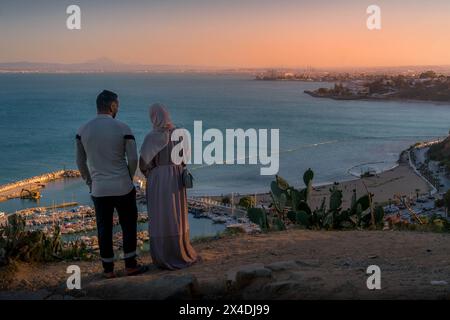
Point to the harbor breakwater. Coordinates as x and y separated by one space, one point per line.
11 190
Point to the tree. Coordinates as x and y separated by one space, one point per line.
322 91
226 200
428 74
246 202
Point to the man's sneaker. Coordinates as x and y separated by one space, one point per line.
139 269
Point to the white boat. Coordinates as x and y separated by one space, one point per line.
220 219
2 214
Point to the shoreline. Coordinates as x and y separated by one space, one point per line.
378 99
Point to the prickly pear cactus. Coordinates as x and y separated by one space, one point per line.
303 218
291 215
308 177
335 199
282 184
297 198
353 204
258 216
279 202
275 189
364 202
278 224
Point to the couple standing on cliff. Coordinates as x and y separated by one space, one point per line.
107 159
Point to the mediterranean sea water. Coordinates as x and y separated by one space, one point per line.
40 113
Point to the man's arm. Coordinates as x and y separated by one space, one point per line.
143 166
131 153
82 162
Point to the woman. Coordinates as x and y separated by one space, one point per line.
170 247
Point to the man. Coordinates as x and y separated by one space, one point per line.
107 160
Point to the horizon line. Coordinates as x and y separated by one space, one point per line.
220 67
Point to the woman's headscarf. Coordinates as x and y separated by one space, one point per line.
159 137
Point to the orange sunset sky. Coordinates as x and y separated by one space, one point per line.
245 33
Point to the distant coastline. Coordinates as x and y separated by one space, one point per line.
319 74
368 98
426 85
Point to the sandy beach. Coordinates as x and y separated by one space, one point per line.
401 180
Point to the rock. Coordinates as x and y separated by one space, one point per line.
25 295
347 263
145 287
438 283
242 276
236 228
283 265
74 294
308 263
281 290
212 289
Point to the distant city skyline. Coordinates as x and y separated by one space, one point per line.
228 34
104 64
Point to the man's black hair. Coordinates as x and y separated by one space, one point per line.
105 99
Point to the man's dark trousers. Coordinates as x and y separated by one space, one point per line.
127 211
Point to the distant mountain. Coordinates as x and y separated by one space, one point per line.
97 65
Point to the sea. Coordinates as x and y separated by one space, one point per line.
40 114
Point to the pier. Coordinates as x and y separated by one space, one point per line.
14 189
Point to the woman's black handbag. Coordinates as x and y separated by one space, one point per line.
188 179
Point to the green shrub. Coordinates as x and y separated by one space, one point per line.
246 202
226 200
17 243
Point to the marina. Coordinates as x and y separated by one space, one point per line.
79 224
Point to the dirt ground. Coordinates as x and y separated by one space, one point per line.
334 264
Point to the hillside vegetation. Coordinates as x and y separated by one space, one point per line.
441 152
